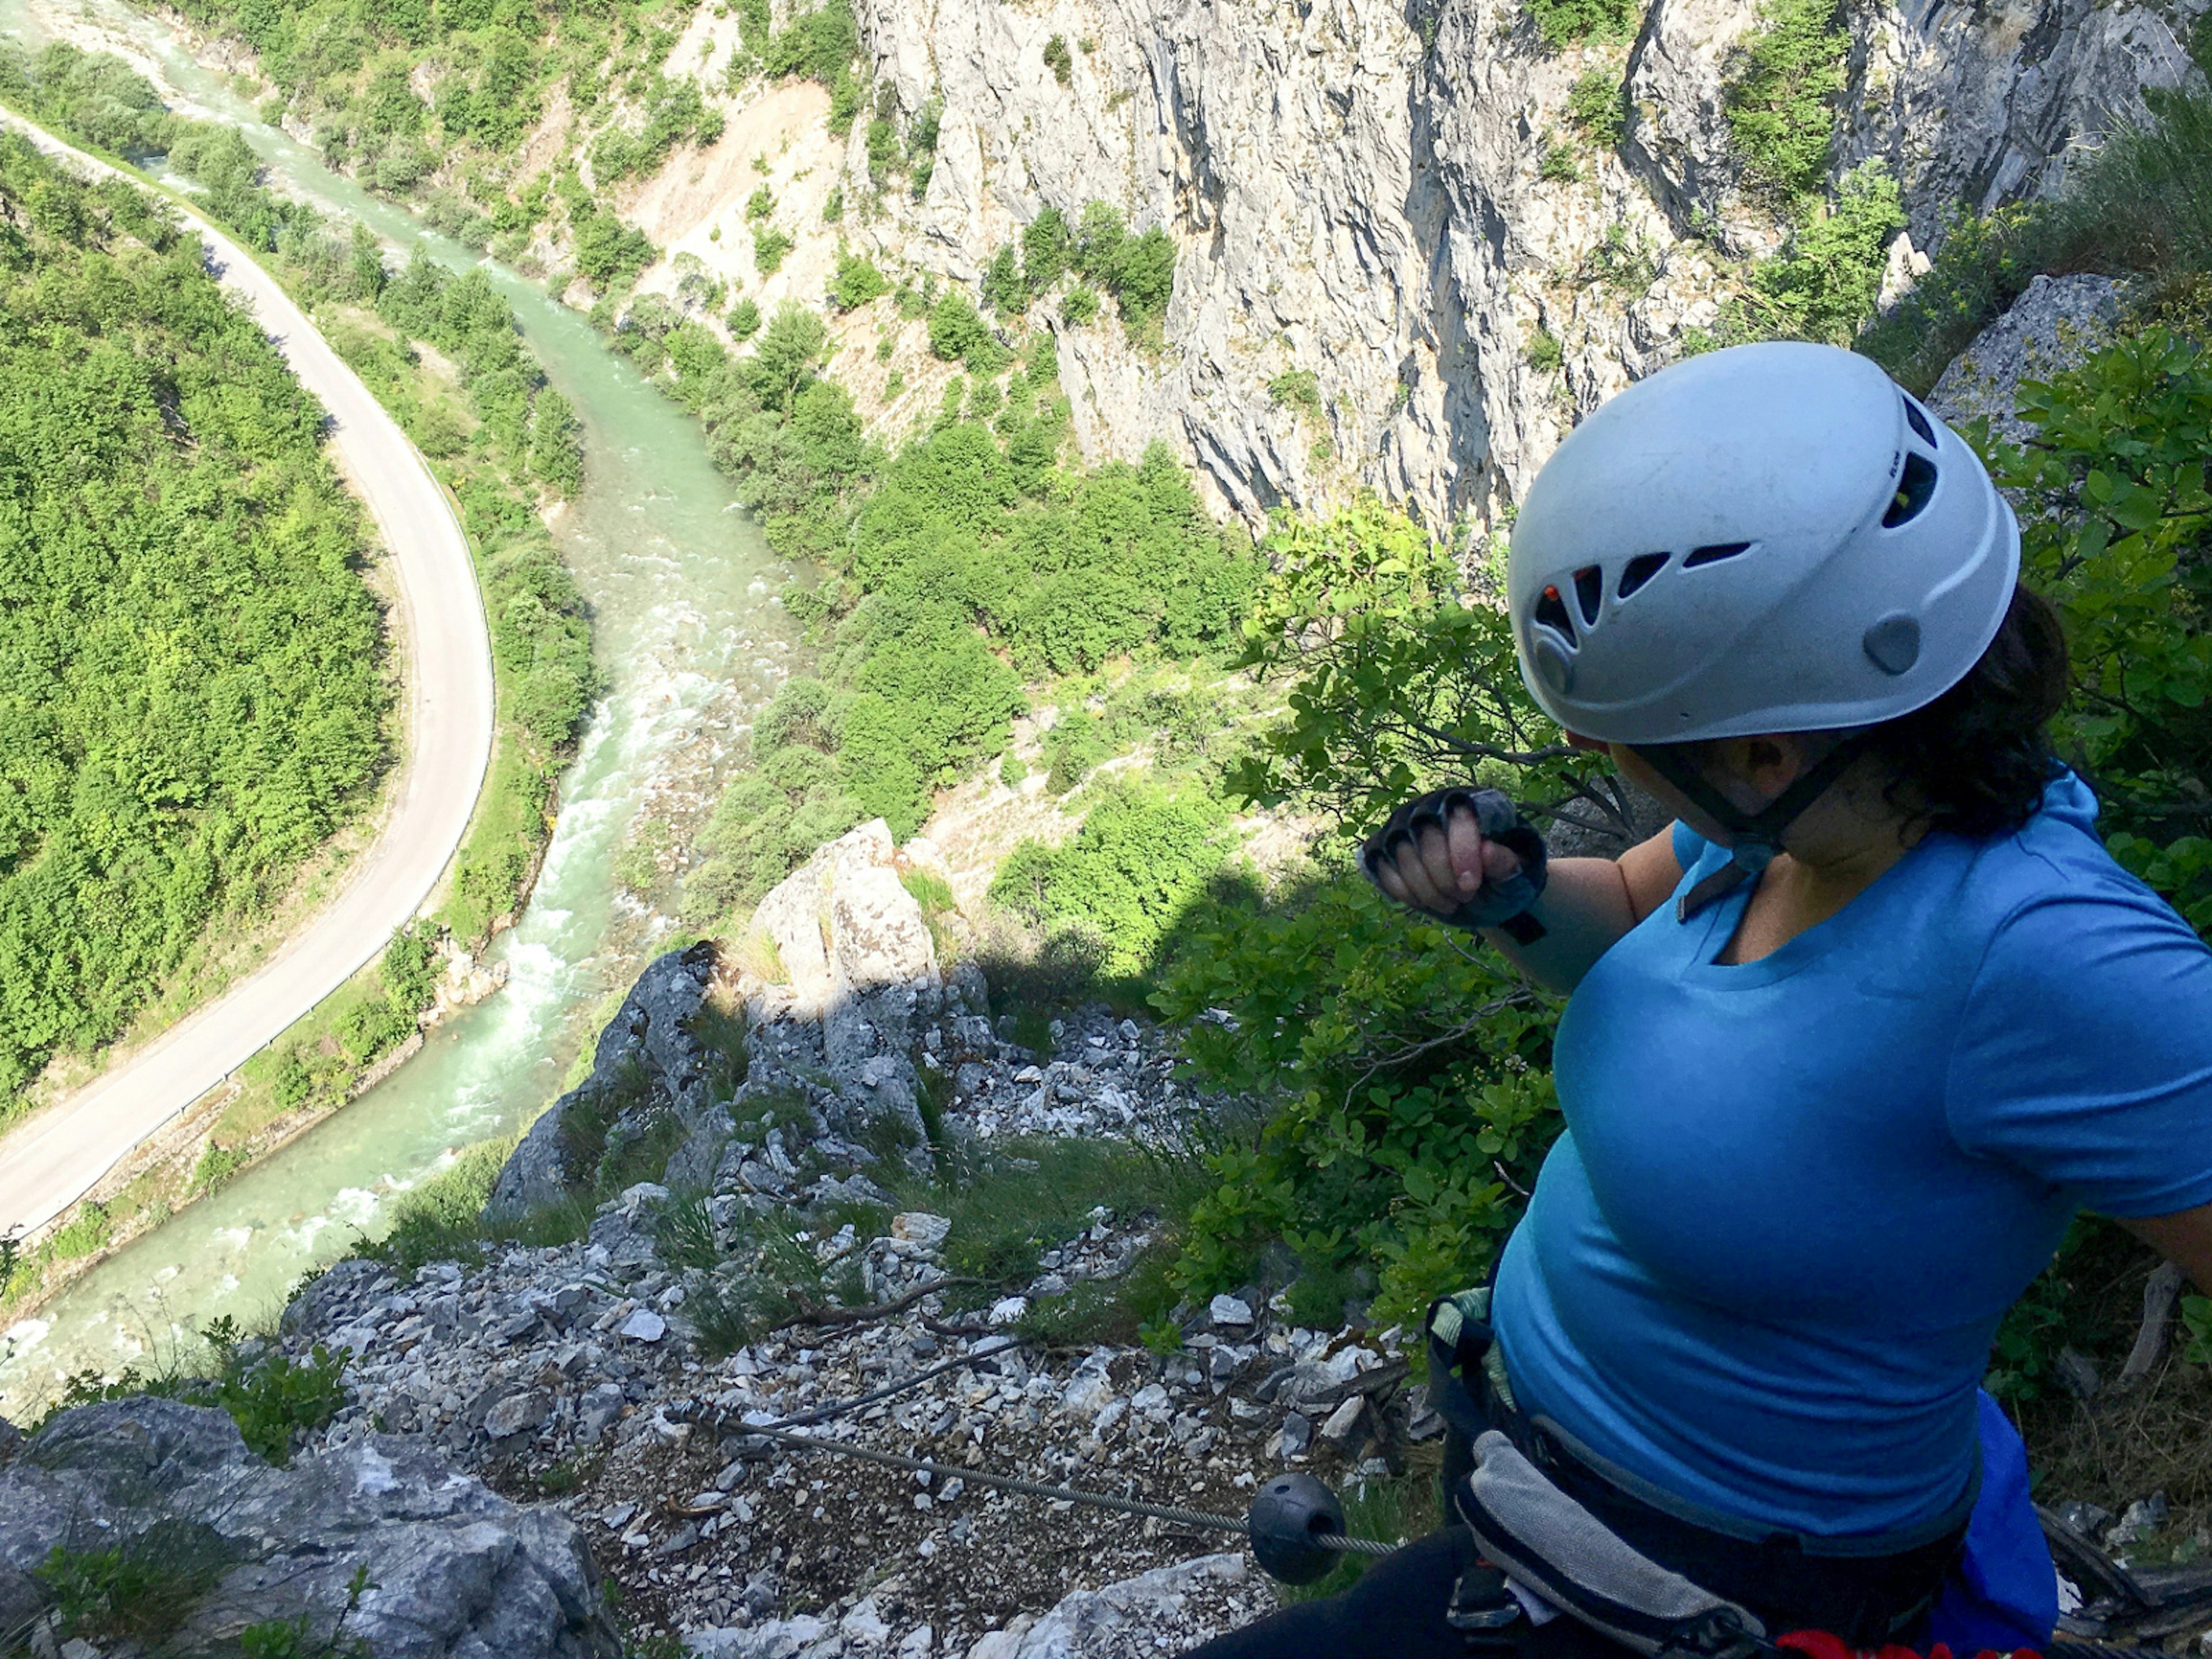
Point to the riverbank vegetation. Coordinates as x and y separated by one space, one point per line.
430 102
195 666
443 353
957 570
498 436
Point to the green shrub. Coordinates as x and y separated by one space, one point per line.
88 1231
818 45
1013 769
1299 389
1072 748
1624 260
1562 22
138 1589
1079 306
1597 105
856 283
1411 1079
1045 244
1058 59
2115 513
217 1165
1823 285
274 1400
955 327
744 320
1779 95
759 204
1545 352
1144 858
1005 287
769 246
1556 163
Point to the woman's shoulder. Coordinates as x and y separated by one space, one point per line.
2057 859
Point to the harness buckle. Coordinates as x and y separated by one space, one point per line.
1483 1607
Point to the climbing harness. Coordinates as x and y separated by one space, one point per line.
1589 1538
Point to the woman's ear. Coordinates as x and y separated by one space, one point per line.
1764 766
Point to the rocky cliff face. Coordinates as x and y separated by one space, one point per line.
433 1563
1354 189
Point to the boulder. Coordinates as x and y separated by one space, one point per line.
647 1061
844 925
1149 1612
452 1569
861 963
2054 327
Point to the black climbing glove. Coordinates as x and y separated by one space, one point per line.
1500 904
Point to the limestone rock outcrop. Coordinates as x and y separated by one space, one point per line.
450 1568
859 961
2052 327
648 1062
1360 190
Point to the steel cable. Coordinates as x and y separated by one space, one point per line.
1169 1512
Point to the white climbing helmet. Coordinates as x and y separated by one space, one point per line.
1773 538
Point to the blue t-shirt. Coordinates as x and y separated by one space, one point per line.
1763 1267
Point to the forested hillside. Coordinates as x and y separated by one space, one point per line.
191 666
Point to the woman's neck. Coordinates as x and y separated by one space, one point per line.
1840 847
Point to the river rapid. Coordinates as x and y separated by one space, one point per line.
685 623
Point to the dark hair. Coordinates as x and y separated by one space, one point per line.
1976 760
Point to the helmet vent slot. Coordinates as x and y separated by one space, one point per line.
1641 569
1589 592
1918 422
1714 553
1913 490
1552 612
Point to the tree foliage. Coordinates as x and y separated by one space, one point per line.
1564 23
1411 1099
1144 858
1780 92
2116 528
1823 284
190 660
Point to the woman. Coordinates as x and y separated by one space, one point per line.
1847 1045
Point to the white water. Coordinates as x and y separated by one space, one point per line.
681 584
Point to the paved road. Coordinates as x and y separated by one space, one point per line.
56 1158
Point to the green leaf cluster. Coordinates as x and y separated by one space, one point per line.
1565 22
675 114
2116 517
1144 859
1412 1101
1780 96
1137 269
1410 1074
857 282
190 660
1597 104
1823 284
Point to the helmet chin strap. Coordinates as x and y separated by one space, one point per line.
1755 837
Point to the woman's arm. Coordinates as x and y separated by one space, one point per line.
1587 903
2184 1238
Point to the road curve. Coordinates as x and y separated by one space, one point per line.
59 1154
